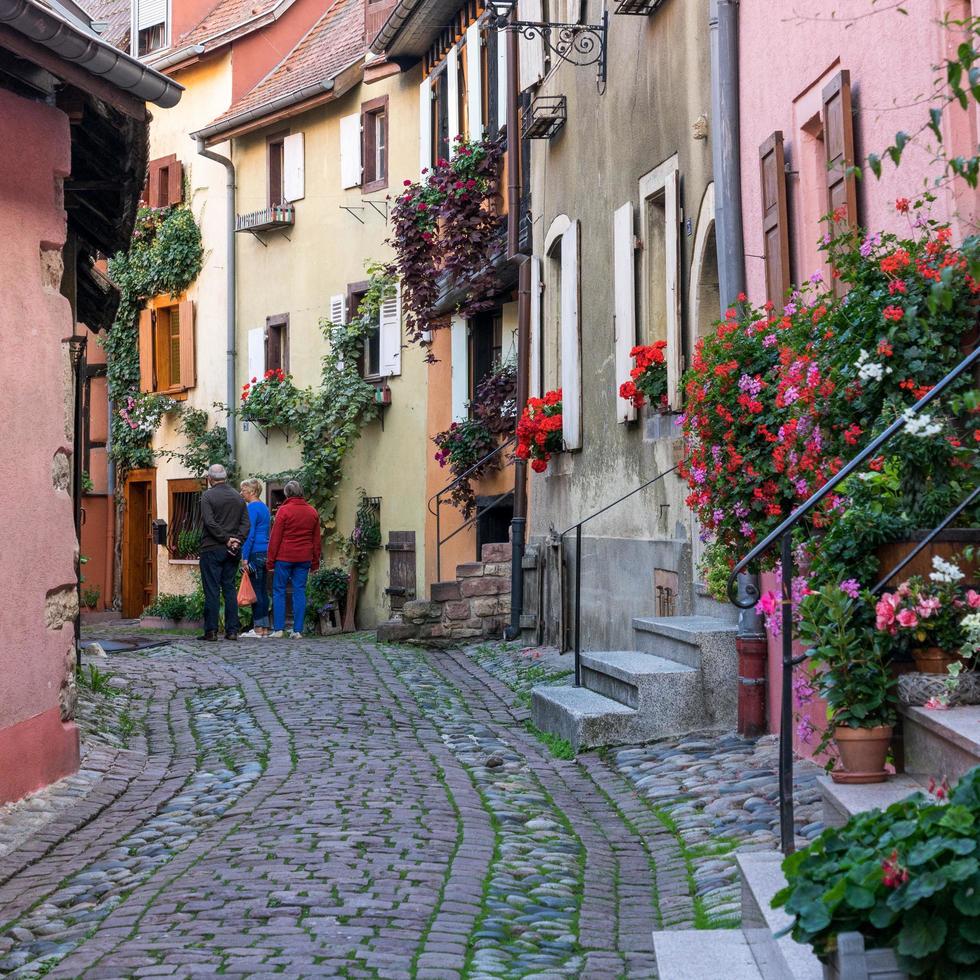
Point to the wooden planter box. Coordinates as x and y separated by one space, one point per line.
947 545
853 962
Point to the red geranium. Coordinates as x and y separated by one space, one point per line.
539 430
649 376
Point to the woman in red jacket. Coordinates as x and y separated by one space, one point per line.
294 550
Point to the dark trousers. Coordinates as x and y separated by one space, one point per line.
260 611
218 570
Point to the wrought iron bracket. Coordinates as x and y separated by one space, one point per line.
578 44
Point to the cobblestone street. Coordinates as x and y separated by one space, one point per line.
340 808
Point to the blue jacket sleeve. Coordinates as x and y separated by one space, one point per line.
250 540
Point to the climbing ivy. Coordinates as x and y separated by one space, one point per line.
165 256
202 444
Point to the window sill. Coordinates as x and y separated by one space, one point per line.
177 394
374 185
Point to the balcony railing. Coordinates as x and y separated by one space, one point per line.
276 216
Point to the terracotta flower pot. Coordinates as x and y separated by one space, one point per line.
933 660
862 754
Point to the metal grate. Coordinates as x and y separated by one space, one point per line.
186 525
545 117
639 8
666 600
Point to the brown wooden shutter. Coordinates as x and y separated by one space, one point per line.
175 172
838 135
153 184
187 361
146 350
775 221
368 148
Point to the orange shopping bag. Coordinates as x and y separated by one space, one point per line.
246 594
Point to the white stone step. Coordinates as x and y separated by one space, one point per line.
632 678
582 717
704 954
942 743
703 642
841 801
777 959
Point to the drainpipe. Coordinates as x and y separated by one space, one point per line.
518 524
229 290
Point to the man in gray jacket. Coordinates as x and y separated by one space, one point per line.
225 518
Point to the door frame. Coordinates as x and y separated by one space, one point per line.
148 475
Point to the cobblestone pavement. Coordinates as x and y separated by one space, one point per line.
339 808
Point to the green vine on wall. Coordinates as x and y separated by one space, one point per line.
165 256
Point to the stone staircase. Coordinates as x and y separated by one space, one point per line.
681 677
937 744
474 605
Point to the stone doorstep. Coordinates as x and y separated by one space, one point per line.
582 717
682 638
396 630
634 679
941 743
841 801
704 954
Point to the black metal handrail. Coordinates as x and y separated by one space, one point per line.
437 497
577 528
783 534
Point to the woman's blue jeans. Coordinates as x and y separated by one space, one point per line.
296 572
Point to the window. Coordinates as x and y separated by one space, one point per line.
277 343
274 496
488 79
185 524
440 118
150 26
462 89
374 136
164 182
369 362
276 191
563 348
486 348
152 39
166 348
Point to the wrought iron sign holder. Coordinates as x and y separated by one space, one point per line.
577 44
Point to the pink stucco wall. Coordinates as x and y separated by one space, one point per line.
788 52
37 537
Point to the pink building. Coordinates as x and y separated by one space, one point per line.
69 186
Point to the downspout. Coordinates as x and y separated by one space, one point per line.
518 524
229 290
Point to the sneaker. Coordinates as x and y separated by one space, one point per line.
210 636
231 636
296 636
252 635
276 635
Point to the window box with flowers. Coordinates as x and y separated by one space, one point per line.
539 430
647 383
273 401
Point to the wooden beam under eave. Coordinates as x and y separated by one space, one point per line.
73 74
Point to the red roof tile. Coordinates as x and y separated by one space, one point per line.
115 13
229 19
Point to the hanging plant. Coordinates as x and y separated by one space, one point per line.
447 228
648 379
273 400
539 430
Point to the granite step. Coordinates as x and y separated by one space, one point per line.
941 743
841 801
580 716
704 954
632 678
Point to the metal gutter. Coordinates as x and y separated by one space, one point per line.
176 57
393 25
45 27
242 118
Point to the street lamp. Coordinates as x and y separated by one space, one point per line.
76 355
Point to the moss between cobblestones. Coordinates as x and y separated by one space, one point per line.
559 747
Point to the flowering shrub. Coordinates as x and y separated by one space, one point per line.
907 879
447 225
648 379
274 400
539 430
776 404
142 413
461 446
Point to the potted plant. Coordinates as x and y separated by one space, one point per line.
326 593
275 400
851 675
906 879
539 430
929 614
648 378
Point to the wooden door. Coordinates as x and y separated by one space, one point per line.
139 552
401 568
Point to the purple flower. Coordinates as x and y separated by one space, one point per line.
789 309
749 384
790 395
803 689
717 515
870 244
816 278
699 473
770 340
801 486
745 528
741 510
716 453
805 731
705 536
851 587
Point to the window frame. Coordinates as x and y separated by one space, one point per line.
373 112
278 325
142 52
439 127
275 146
484 356
372 343
163 350
182 485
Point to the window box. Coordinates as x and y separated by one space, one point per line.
277 216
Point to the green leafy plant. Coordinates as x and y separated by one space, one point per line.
95 680
366 536
327 584
91 596
907 878
168 606
273 400
87 485
203 444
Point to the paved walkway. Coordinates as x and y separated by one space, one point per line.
336 808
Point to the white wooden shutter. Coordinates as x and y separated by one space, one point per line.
452 96
150 13
338 317
571 352
350 150
534 382
459 359
390 329
624 305
501 79
675 350
256 353
531 49
474 92
425 125
293 176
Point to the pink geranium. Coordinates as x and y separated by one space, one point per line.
908 619
885 612
973 599
927 606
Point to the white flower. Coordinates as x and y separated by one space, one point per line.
945 571
870 370
921 425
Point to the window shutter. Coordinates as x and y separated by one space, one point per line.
624 309
534 381
338 317
153 184
149 13
775 224
452 96
350 150
390 329
175 177
188 375
459 362
501 79
838 137
256 353
474 93
531 50
293 167
369 147
571 351
146 350
425 125
675 347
